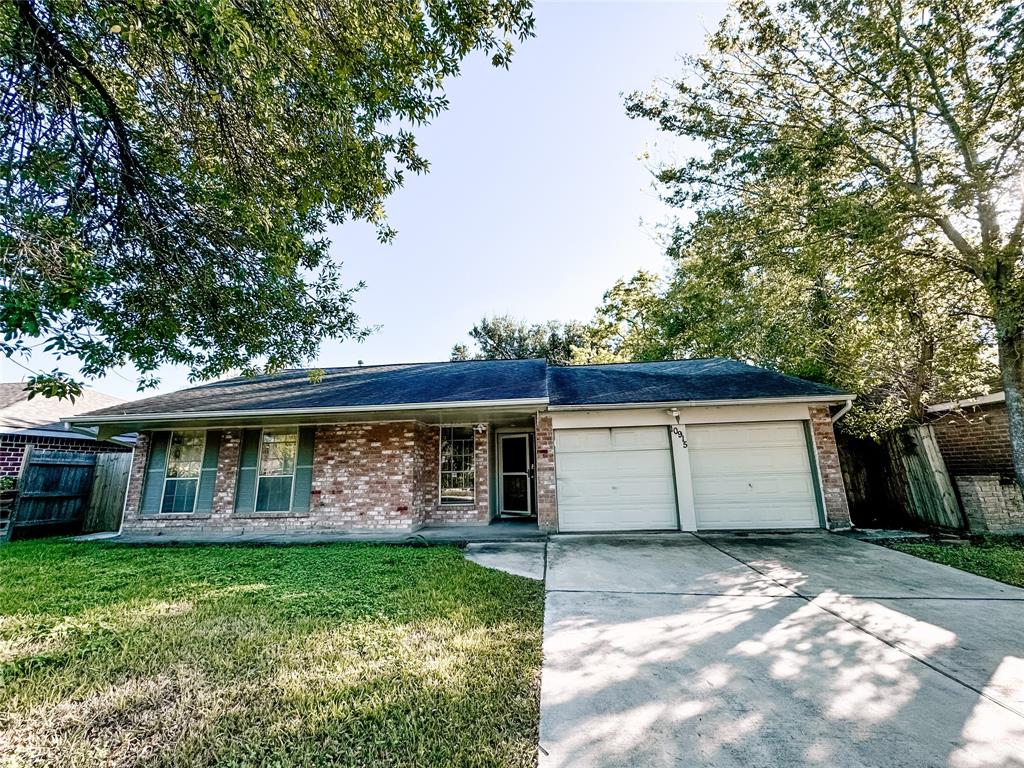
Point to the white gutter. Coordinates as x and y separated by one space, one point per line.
842 411
93 432
98 419
691 403
995 397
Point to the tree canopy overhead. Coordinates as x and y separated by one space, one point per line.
885 132
170 167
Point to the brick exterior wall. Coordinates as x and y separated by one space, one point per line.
992 504
478 513
136 478
975 446
366 476
227 473
975 441
12 449
837 508
547 502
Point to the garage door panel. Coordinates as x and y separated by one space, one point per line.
578 440
633 464
615 479
601 519
765 434
596 491
748 476
756 489
640 439
744 461
611 440
771 516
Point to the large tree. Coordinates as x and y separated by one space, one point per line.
752 283
629 324
170 167
916 110
504 337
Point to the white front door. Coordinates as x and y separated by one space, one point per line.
615 479
752 475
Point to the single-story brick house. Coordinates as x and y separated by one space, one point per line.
681 444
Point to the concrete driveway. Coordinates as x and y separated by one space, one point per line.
775 650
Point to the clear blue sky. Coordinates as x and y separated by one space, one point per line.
537 199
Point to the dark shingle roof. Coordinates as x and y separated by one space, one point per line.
673 381
473 380
478 381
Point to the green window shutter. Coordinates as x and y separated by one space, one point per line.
303 470
156 465
245 492
208 475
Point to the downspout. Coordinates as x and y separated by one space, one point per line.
842 411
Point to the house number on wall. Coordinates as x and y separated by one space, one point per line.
681 435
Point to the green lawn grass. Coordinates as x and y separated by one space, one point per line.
308 655
997 557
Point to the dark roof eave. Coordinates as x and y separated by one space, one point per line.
87 420
839 397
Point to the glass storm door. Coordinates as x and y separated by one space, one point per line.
515 475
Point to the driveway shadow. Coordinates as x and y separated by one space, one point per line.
751 677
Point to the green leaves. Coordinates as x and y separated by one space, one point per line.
503 337
858 199
170 168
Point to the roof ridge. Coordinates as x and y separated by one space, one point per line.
393 365
649 362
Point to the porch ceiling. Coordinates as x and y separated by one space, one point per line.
497 416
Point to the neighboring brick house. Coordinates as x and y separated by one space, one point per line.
689 444
36 422
974 440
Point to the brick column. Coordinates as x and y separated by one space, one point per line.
136 478
547 508
837 509
227 473
481 475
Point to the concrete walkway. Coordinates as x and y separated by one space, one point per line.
520 558
775 650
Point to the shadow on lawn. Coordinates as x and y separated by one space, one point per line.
339 654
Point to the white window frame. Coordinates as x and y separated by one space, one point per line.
440 472
260 476
198 478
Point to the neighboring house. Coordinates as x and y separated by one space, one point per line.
687 444
974 440
37 422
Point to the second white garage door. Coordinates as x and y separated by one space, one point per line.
755 475
617 479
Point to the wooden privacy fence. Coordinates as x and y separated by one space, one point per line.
110 482
69 492
899 481
930 498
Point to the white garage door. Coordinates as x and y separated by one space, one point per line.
754 475
617 479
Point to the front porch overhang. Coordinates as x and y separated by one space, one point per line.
497 412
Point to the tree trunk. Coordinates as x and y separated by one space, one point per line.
1011 366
